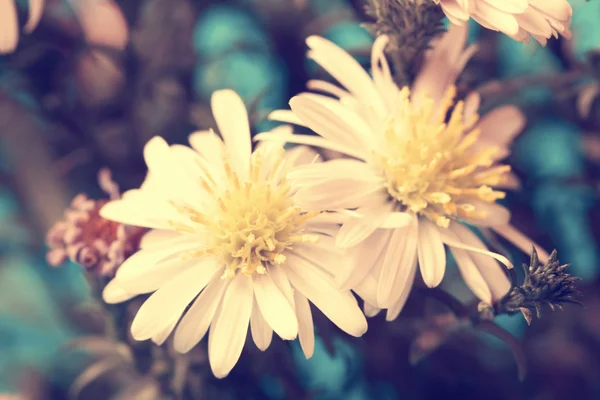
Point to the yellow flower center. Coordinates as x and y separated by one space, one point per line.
255 220
431 166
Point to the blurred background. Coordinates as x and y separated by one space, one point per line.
96 79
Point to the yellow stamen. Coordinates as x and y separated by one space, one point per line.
256 221
433 167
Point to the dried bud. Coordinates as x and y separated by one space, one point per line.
410 24
547 283
89 240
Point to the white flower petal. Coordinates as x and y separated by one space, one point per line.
286 116
511 182
36 8
279 277
360 132
232 119
502 21
432 254
192 172
558 9
322 119
346 70
275 308
485 24
134 210
311 141
510 6
433 80
327 218
450 239
397 220
166 170
452 8
496 215
471 275
394 310
113 293
382 75
145 260
370 310
210 146
155 276
262 333
197 319
301 155
340 307
162 336
326 87
229 329
472 103
170 301
324 254
9 33
342 168
364 257
159 238
521 241
367 289
356 230
306 329
396 267
500 126
337 194
491 271
170 178
531 21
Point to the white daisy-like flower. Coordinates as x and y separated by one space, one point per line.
228 239
518 19
413 175
9 22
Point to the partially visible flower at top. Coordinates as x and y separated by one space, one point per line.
9 23
228 234
518 19
545 284
84 237
415 176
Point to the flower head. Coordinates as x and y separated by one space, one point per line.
420 166
432 168
518 19
229 239
84 237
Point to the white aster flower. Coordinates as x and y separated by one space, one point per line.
414 176
518 19
227 234
9 22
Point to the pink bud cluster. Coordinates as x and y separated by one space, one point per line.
89 240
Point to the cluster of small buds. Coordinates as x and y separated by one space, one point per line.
89 240
544 284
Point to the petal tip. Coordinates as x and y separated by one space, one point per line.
313 40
